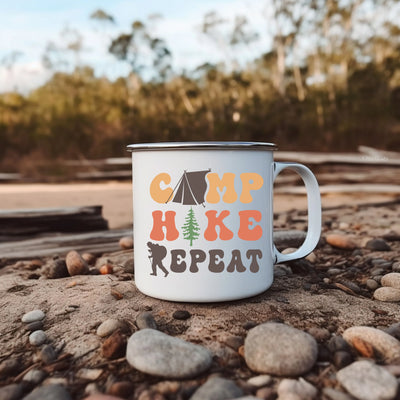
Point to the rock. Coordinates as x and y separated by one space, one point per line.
386 293
156 353
89 258
366 381
123 259
333 394
337 343
260 380
266 393
288 250
50 392
296 390
114 346
342 359
106 269
319 334
312 258
76 265
372 284
32 316
126 242
248 398
34 326
377 245
109 326
48 354
341 241
392 279
99 396
181 314
10 367
372 342
90 374
217 389
279 349
289 238
56 269
122 389
396 266
13 391
282 270
234 342
34 376
394 330
334 271
145 320
37 338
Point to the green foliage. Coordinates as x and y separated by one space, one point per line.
340 93
191 230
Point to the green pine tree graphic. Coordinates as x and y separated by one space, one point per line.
191 230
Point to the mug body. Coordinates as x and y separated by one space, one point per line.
203 220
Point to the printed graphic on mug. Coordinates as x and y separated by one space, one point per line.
196 192
203 219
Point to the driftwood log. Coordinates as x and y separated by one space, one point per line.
15 224
98 242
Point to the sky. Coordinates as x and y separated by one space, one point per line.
27 26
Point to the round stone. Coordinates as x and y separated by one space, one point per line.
386 293
48 354
34 376
372 284
341 359
49 392
279 349
156 353
396 266
32 316
372 342
217 388
76 265
145 320
14 391
37 338
126 242
341 241
181 314
260 380
109 326
367 381
56 269
99 396
296 389
377 245
34 326
392 279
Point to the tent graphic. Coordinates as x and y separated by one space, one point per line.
191 188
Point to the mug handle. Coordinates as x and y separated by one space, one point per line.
314 211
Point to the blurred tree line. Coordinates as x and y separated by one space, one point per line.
329 82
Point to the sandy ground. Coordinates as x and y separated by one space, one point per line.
116 198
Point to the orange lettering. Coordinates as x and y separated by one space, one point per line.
211 232
245 232
157 232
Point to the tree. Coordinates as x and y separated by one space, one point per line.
142 50
191 228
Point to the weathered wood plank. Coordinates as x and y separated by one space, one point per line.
334 158
98 242
35 221
350 188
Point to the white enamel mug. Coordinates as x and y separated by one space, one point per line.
203 219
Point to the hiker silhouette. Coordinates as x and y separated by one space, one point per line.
157 254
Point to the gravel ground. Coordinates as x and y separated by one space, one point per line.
324 330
